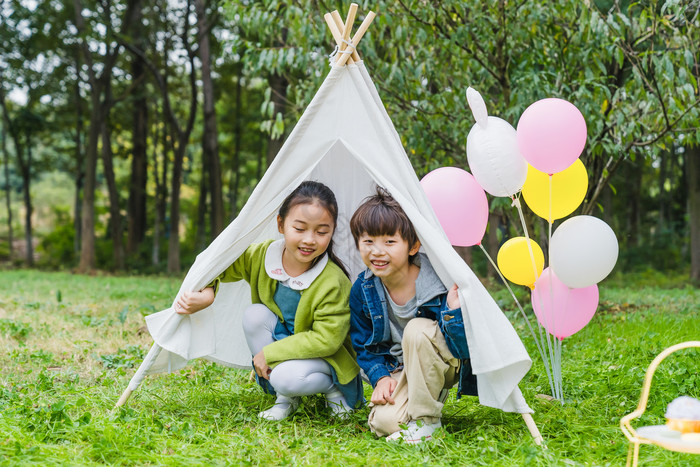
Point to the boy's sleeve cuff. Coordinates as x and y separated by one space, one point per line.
376 373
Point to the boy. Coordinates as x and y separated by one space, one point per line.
406 328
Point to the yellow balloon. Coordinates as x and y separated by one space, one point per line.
515 262
568 190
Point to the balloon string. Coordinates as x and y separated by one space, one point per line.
551 341
545 337
540 349
556 369
516 202
534 267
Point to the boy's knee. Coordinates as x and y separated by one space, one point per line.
417 331
383 420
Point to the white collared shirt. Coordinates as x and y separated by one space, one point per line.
274 268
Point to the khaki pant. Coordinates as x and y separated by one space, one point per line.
429 367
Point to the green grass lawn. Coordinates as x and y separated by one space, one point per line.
69 344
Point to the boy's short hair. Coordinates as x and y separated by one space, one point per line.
381 214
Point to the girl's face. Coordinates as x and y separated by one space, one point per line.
307 231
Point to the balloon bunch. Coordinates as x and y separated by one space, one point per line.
541 161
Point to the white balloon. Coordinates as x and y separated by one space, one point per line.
478 106
583 252
494 157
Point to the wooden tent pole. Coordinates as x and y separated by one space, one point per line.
534 431
124 397
336 33
347 28
136 380
339 26
358 36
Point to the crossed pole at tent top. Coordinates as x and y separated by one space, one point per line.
346 53
347 48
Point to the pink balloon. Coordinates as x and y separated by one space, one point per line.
459 203
561 310
551 134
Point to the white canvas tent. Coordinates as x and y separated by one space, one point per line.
346 140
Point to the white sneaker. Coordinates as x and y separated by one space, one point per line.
336 402
416 432
283 408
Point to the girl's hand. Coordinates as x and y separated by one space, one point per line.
260 364
383 391
453 298
192 302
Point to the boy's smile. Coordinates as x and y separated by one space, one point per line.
387 256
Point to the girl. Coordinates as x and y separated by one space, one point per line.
297 327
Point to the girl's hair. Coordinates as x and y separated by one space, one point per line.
310 192
381 214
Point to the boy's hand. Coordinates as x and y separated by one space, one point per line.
260 364
192 302
453 298
383 391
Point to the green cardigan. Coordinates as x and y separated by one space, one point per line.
322 321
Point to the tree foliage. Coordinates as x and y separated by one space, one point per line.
630 67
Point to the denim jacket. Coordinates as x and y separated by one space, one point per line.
371 336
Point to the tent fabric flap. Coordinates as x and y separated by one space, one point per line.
346 140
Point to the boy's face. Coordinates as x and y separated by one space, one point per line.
387 256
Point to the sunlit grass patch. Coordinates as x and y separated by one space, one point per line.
70 344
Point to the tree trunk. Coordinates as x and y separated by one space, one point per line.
174 239
465 252
279 85
210 142
115 215
161 190
634 185
136 206
79 173
237 136
692 167
98 84
259 165
26 169
201 228
136 209
8 196
663 199
87 229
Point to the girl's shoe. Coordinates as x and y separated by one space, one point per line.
339 407
283 408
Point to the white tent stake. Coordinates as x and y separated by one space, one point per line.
140 374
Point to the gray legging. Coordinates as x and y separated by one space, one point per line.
293 377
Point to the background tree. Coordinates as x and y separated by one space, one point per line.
632 69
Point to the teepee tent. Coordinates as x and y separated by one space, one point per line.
346 140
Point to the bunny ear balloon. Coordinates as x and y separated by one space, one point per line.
477 106
492 151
